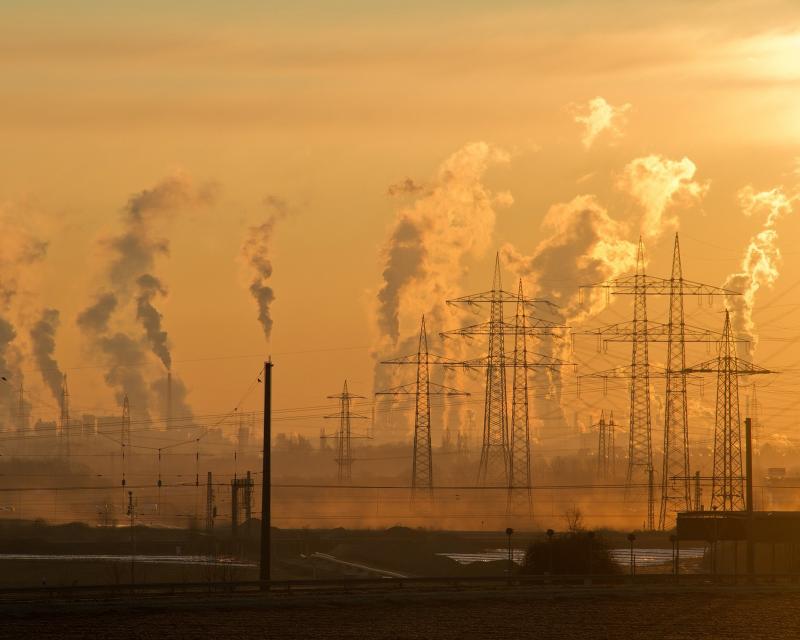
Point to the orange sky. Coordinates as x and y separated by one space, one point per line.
324 108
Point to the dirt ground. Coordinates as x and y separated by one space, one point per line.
582 616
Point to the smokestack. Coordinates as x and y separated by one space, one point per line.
169 400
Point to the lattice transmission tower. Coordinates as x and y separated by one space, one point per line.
422 390
495 463
676 333
727 483
606 454
125 439
344 435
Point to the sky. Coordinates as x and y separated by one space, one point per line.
335 123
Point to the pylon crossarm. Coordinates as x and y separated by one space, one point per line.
623 372
410 389
349 414
500 295
737 366
535 360
655 331
534 327
655 286
414 358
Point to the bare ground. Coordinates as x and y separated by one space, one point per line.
610 613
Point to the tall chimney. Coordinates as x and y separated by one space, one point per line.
169 400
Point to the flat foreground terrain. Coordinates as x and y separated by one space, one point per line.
594 613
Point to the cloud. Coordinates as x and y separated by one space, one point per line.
598 117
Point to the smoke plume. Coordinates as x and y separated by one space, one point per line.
598 116
133 254
255 254
762 259
658 184
43 343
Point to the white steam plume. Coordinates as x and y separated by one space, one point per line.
598 116
660 184
583 245
451 218
762 259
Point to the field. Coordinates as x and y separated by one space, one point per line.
586 614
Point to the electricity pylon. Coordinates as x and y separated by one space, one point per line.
495 462
344 436
520 492
727 484
422 390
125 435
675 333
606 456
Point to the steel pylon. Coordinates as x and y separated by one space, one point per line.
422 390
727 483
344 448
606 455
495 462
520 496
675 480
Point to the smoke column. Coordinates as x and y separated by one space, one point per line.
149 316
43 344
133 255
762 259
255 254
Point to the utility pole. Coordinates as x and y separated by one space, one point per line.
422 390
265 565
211 510
727 483
132 515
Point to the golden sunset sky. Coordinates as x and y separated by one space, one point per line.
321 107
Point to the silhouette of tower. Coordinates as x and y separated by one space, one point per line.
519 486
211 510
605 447
344 449
675 479
640 332
640 441
422 389
727 483
494 462
64 420
125 437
